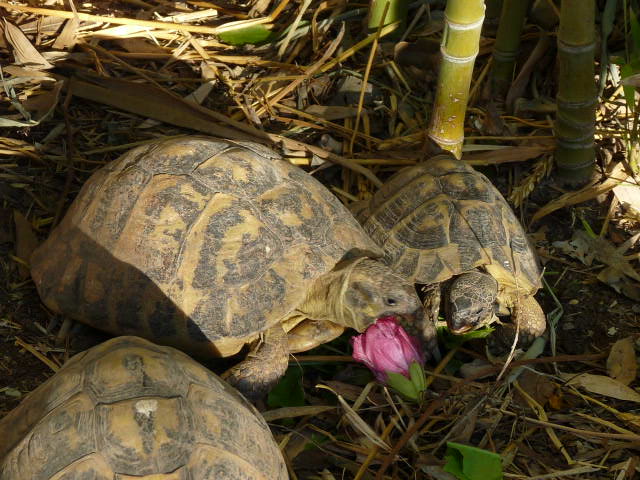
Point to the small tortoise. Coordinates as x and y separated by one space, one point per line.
442 220
209 245
128 408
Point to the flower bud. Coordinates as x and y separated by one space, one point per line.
386 347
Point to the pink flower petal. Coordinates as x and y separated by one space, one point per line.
386 347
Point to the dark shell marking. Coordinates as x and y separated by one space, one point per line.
441 218
193 241
128 407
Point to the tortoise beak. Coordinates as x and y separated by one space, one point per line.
458 328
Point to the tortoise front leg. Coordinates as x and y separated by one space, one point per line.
528 317
309 334
267 361
432 295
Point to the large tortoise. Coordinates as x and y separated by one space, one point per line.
208 245
443 223
128 408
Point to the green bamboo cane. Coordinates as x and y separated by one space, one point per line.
491 17
494 7
463 22
397 12
576 98
507 44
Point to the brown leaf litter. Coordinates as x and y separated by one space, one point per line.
83 86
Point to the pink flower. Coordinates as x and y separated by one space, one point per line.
386 347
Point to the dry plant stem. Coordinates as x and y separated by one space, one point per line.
576 98
438 403
188 114
507 44
365 77
460 43
119 21
48 362
542 415
576 431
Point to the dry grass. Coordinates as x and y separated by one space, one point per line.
82 85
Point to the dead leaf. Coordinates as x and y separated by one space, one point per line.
153 102
630 418
619 271
67 37
631 81
138 45
620 283
628 194
42 105
614 178
603 385
539 387
24 52
622 364
508 154
26 242
331 112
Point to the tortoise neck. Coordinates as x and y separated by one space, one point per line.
325 298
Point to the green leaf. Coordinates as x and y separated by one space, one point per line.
253 34
588 229
629 92
608 19
402 385
288 392
472 463
635 36
451 341
416 372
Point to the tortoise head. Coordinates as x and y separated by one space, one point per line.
371 290
470 302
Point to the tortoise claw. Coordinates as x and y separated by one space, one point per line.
256 375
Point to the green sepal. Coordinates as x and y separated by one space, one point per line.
402 385
416 372
471 463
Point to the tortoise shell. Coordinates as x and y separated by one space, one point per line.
194 242
442 218
130 408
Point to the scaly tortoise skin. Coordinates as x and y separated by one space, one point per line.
128 408
442 219
209 245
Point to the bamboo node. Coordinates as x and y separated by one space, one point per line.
463 26
576 49
452 59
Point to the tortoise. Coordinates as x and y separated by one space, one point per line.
444 225
128 408
209 245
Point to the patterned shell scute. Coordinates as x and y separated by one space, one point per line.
220 239
442 218
141 410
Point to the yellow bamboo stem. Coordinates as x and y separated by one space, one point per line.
459 48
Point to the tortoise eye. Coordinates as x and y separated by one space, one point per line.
390 301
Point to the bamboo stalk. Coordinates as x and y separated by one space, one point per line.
397 12
507 44
494 7
576 98
460 40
